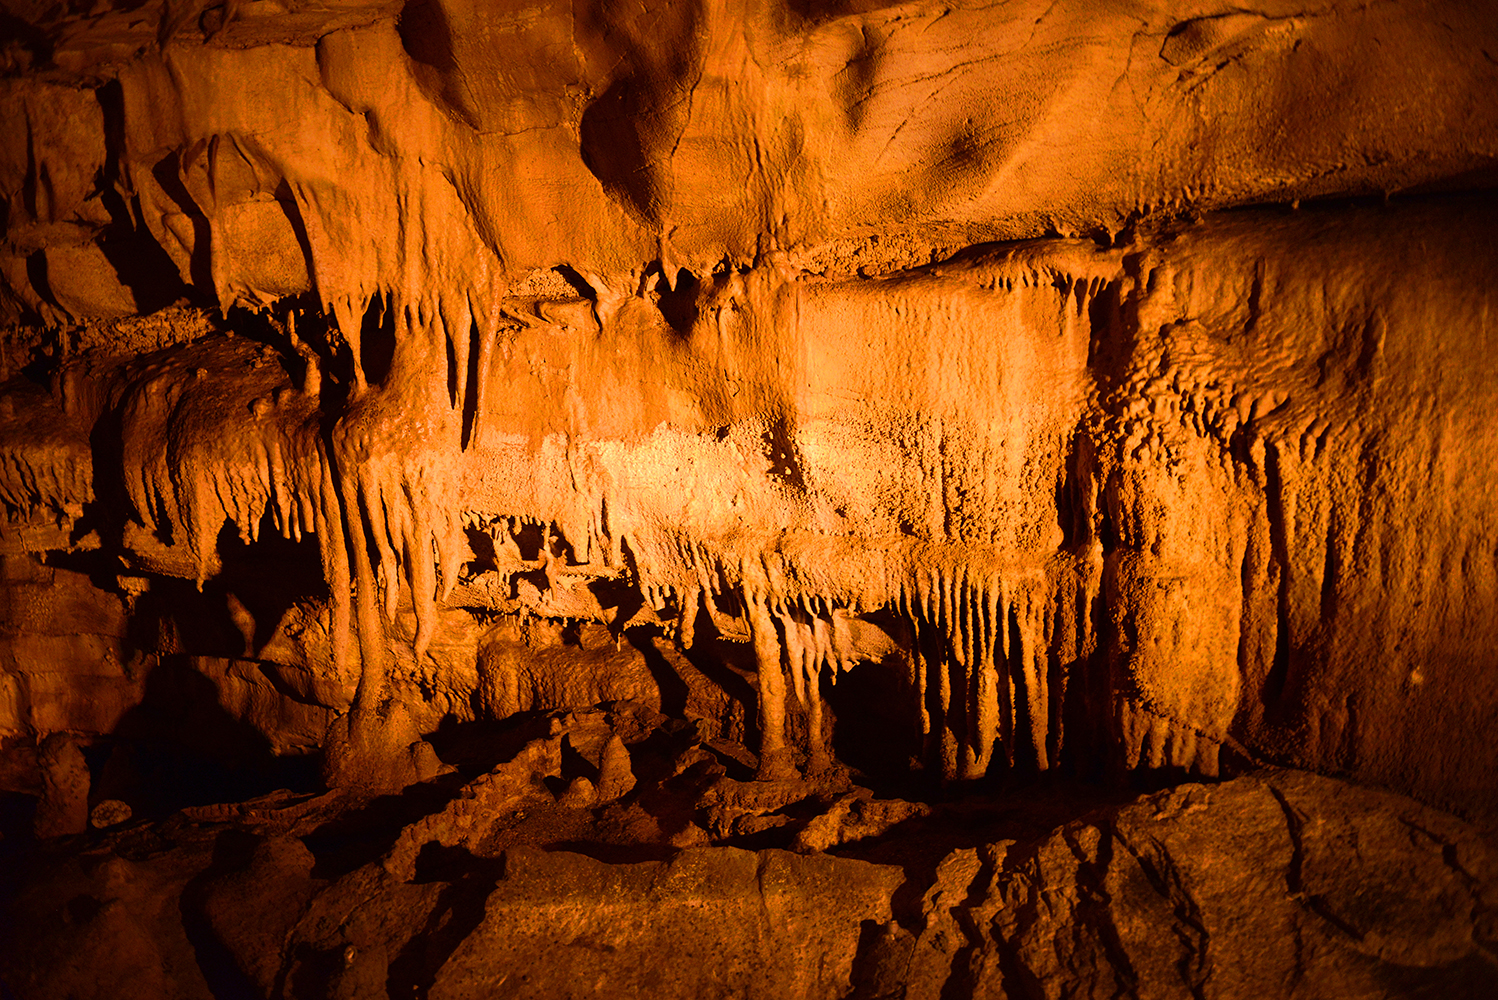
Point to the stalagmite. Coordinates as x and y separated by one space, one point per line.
615 776
775 760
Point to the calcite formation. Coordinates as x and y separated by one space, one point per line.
974 389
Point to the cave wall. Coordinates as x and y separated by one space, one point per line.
364 356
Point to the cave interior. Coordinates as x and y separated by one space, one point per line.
748 498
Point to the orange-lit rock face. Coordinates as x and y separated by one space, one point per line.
708 320
689 498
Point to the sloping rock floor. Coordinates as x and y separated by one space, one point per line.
614 853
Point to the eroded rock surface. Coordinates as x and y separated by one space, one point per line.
499 495
1278 884
1135 504
1282 884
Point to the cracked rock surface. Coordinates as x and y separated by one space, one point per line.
1275 884
1278 884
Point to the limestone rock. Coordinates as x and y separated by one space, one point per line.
538 665
854 816
85 284
252 911
733 923
1195 891
470 815
615 776
934 396
580 794
110 812
63 808
100 925
1132 492
1191 891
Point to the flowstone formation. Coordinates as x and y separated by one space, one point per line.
739 499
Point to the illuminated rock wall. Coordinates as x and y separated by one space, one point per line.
710 323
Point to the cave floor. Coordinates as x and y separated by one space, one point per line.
614 852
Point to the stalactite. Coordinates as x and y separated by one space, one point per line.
842 641
349 315
335 560
795 651
990 657
488 337
922 666
996 624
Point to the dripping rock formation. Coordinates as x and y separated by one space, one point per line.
823 498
